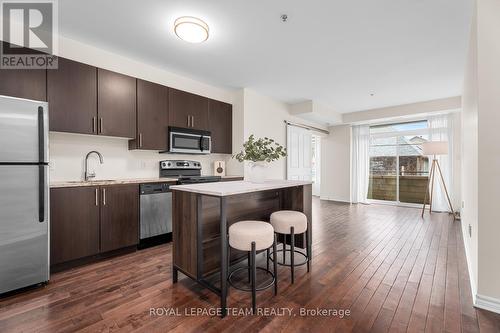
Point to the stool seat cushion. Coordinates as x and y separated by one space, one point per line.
283 220
242 234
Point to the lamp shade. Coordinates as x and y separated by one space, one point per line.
435 148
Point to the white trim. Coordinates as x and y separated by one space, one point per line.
473 287
415 132
487 303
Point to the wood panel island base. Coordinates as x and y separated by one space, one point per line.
202 214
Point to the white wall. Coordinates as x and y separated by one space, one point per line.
488 73
68 150
469 180
264 116
481 155
336 164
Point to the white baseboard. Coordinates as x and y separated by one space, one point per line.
334 199
473 286
487 303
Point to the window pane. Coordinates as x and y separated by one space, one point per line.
383 169
413 169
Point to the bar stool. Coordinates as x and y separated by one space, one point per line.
289 222
253 236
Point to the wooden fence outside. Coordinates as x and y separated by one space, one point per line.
411 188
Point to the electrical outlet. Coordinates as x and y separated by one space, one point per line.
470 230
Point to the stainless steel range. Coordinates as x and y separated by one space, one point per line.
186 172
156 200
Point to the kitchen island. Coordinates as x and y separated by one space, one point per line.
201 216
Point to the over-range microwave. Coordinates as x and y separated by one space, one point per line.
188 141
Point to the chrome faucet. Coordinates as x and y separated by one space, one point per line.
90 175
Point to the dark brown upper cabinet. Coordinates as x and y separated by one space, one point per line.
187 110
116 104
72 97
74 223
24 83
220 117
119 216
152 117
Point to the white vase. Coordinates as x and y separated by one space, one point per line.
258 172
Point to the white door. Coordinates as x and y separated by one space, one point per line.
299 153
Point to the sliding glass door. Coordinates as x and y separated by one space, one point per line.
398 170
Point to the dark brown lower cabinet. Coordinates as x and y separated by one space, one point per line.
89 220
119 216
74 223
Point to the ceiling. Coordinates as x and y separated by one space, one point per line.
334 52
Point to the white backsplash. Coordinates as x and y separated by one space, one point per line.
67 155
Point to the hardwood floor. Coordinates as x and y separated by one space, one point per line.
391 269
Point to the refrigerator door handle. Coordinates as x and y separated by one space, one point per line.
41 136
41 193
41 167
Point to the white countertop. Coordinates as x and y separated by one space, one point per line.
100 182
223 189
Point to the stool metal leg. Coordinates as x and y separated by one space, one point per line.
249 259
275 264
254 278
175 275
228 258
284 249
292 251
267 259
308 249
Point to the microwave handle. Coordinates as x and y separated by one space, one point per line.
209 143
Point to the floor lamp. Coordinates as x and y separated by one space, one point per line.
435 148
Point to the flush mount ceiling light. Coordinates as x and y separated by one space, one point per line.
191 29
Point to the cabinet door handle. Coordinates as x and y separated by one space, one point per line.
189 120
104 197
192 121
94 124
100 125
140 140
96 197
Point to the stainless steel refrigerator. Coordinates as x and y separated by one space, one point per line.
24 193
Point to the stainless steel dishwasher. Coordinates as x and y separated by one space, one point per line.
155 214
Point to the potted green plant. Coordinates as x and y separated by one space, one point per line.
259 153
